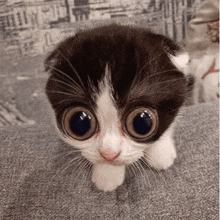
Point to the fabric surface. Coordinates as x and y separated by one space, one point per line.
31 188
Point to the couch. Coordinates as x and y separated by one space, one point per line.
31 188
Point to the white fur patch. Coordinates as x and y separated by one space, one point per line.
161 154
108 177
106 110
180 61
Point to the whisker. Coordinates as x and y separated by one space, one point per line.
80 169
84 171
71 92
149 93
149 167
136 176
130 166
67 165
77 167
142 171
155 168
157 93
148 63
165 71
87 167
74 70
64 74
64 167
162 82
65 100
65 154
140 71
59 92
69 85
89 172
80 174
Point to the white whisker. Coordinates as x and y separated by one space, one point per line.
62 101
63 93
139 73
154 167
80 168
167 81
74 70
64 74
70 162
142 159
74 88
165 71
65 154
136 176
148 64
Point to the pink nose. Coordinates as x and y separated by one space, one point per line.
108 154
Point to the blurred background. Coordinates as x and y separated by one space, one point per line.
30 29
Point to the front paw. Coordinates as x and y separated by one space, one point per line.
107 177
161 160
162 153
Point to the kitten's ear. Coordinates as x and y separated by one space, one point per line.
178 57
60 53
180 61
51 60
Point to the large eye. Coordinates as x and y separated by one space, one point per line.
141 123
79 123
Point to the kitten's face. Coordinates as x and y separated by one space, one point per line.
114 91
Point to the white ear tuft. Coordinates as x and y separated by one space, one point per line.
180 60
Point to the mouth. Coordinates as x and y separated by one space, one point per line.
114 163
117 162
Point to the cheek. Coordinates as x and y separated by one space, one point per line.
90 143
131 151
120 130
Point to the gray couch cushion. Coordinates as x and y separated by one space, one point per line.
31 187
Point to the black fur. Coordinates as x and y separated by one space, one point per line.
134 55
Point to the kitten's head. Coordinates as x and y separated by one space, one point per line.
115 90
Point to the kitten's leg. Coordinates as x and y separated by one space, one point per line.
162 153
108 177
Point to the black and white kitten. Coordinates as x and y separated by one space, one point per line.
115 91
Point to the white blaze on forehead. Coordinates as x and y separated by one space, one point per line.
106 109
107 115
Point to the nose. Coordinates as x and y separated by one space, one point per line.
108 154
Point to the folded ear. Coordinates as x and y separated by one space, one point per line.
180 61
179 58
51 60
60 53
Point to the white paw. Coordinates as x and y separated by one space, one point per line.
162 153
160 160
107 177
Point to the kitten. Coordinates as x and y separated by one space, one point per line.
115 91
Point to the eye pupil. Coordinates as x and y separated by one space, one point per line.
80 123
142 123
